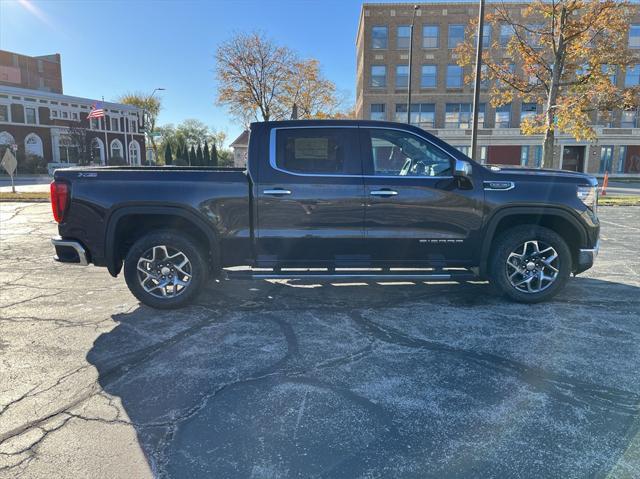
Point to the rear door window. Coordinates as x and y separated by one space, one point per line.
318 151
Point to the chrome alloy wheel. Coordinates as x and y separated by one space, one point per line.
164 272
533 266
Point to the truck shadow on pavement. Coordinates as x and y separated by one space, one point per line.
306 379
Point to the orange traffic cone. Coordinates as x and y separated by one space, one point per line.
605 182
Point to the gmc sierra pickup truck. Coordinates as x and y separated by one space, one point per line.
329 199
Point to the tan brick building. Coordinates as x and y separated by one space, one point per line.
442 101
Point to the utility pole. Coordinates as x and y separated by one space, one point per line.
476 87
413 19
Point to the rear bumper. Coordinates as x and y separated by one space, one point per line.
586 258
69 251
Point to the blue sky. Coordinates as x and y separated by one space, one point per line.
111 47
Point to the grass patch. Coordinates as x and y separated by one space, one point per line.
619 201
34 196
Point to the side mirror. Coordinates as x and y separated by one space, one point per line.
462 169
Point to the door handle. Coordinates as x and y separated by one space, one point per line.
383 193
277 192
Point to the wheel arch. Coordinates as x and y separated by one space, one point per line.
563 222
127 224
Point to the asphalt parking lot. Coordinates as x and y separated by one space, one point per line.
297 379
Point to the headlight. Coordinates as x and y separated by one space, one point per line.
589 196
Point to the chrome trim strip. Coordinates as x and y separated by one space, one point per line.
277 192
383 193
512 185
82 254
354 276
592 251
272 153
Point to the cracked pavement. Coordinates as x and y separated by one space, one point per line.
303 379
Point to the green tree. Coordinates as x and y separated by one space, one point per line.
168 158
214 155
193 161
200 156
206 154
151 107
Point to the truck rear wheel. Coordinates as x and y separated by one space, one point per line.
165 269
530 263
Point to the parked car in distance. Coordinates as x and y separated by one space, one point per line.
330 199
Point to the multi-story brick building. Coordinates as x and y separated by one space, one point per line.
34 73
54 126
442 101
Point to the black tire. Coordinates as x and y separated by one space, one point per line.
514 239
174 241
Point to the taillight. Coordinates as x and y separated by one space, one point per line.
59 200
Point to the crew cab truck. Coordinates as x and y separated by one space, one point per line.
329 199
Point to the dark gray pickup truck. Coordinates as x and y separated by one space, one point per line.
325 200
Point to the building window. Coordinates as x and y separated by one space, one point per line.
483 154
622 156
524 155
457 115
422 114
4 113
378 76
30 114
606 158
97 154
535 35
74 115
377 112
402 76
95 123
529 110
486 36
115 123
634 36
629 119
484 77
65 114
605 119
537 155
506 32
456 35
134 126
134 153
379 36
503 116
403 37
463 149
454 76
116 149
430 36
429 76
632 78
54 113
611 71
68 150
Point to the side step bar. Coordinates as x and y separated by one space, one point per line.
458 275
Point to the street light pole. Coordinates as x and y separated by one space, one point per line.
146 115
476 87
413 19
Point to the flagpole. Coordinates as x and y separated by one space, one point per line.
106 141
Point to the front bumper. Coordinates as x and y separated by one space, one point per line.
586 258
69 251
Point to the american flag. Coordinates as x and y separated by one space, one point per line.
97 111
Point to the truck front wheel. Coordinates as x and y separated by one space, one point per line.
530 263
165 269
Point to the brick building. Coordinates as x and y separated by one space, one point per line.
33 73
442 101
54 127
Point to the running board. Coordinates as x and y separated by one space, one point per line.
460 275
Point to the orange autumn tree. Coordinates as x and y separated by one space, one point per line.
259 80
562 54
